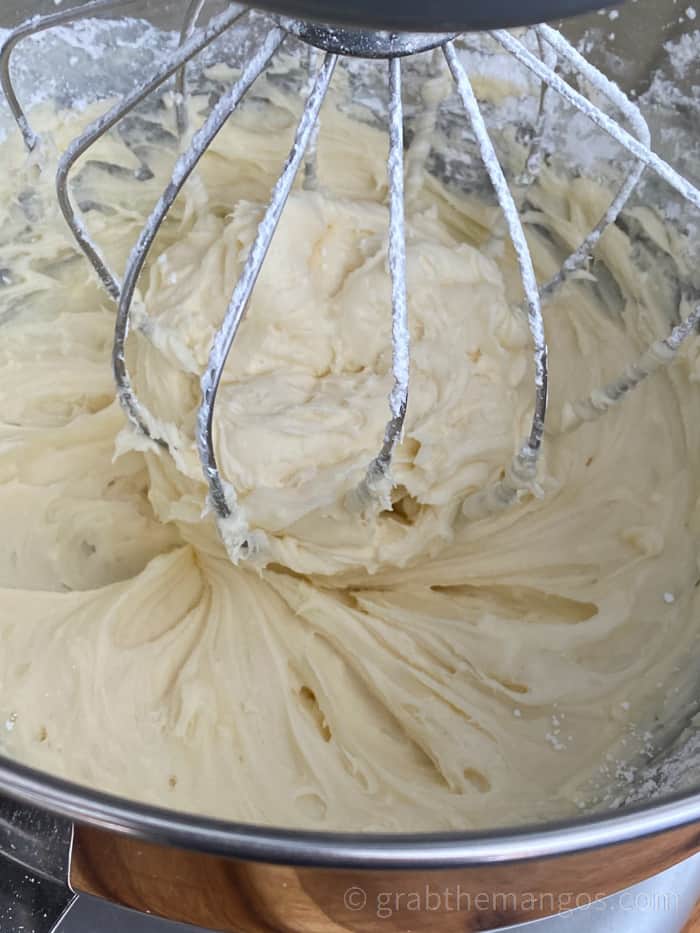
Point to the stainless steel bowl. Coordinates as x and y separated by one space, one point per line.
241 877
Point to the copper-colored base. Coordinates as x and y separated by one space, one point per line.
693 925
247 897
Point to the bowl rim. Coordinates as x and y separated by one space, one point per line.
326 849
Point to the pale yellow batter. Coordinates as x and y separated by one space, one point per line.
413 670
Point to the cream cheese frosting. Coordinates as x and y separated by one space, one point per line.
412 669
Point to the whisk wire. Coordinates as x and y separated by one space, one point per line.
222 497
192 13
32 27
526 457
660 352
601 120
534 157
184 167
612 92
200 40
376 486
313 61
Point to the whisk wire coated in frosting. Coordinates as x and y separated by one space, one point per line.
199 40
374 489
222 496
376 486
184 167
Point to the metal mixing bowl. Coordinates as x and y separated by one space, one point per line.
234 876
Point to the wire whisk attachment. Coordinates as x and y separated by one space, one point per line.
326 45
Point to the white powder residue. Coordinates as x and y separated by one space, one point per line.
67 64
676 769
683 53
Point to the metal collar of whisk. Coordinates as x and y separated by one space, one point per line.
361 43
374 490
